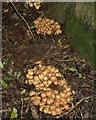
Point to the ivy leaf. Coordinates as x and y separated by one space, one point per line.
4 84
14 113
7 78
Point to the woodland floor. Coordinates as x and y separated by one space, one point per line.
20 52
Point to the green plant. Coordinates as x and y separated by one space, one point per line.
14 113
5 79
12 74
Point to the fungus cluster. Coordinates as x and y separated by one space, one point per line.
46 26
37 4
52 94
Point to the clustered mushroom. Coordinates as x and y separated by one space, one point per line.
36 4
50 101
46 26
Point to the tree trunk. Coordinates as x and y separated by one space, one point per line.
79 25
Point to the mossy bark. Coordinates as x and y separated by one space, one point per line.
79 25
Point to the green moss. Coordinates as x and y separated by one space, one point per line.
82 38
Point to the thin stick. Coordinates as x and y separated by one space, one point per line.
7 110
79 102
22 19
28 106
59 60
21 108
89 76
35 113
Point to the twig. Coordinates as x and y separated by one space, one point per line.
21 108
35 113
59 60
7 110
22 19
81 115
28 106
89 76
79 102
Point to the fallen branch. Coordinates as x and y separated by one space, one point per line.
13 6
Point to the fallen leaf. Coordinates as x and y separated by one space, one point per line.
4 84
7 78
14 113
73 69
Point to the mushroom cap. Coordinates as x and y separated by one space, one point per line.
48 92
58 74
36 78
50 101
43 94
30 81
57 26
41 76
49 67
45 78
53 112
49 32
53 96
49 82
46 109
37 86
62 94
58 110
58 96
52 107
44 99
31 93
30 77
55 82
30 72
66 107
52 69
36 100
53 78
